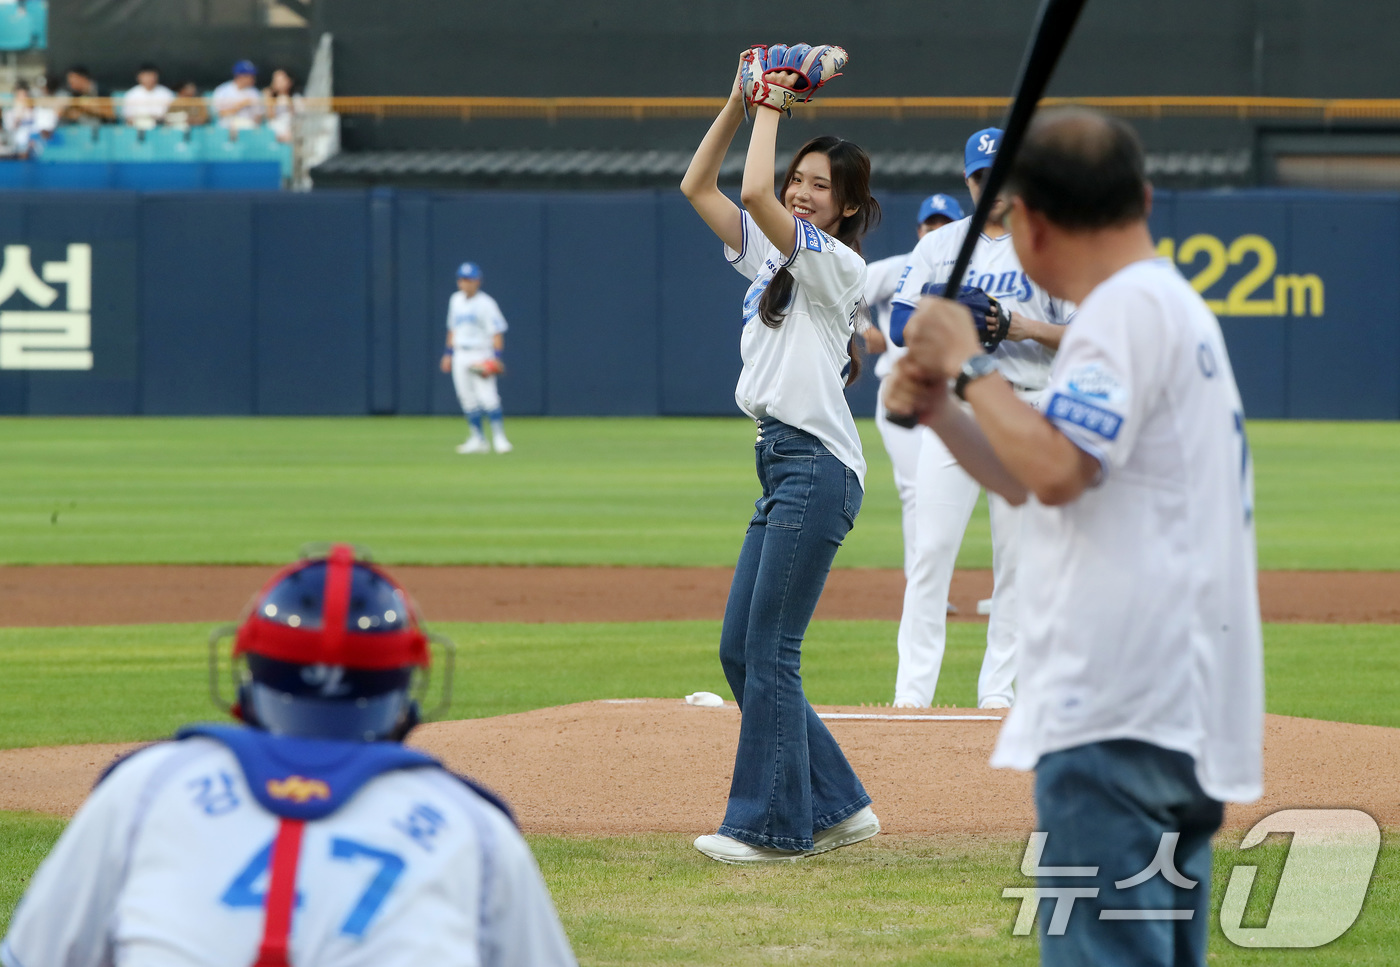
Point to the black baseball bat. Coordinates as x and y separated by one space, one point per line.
1053 25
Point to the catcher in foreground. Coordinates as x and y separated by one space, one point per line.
793 793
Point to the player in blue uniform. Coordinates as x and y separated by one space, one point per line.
198 850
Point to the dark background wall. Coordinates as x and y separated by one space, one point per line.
1288 48
619 303
195 40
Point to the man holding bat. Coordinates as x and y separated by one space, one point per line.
1140 702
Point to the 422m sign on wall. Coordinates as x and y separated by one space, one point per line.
1260 291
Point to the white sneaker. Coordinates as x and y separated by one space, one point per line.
994 701
727 849
503 445
474 444
855 828
907 703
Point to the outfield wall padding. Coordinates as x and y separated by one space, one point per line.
619 303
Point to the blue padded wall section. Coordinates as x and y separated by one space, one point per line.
504 233
1345 362
700 316
311 309
197 299
618 303
602 299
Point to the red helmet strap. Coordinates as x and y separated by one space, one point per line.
339 571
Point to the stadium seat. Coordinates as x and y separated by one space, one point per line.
119 142
71 142
170 144
261 144
16 32
216 145
39 23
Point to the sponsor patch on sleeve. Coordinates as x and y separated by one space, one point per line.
1094 381
811 235
1082 413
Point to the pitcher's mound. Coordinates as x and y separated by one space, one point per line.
659 765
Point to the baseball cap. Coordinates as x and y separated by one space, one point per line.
981 149
469 270
244 67
944 205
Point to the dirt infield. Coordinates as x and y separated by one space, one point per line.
51 596
659 765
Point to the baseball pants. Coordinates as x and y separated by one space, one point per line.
902 445
473 392
945 498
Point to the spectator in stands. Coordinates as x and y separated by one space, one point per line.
237 103
282 104
83 103
27 127
189 109
146 104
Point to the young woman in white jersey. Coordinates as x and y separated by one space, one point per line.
793 793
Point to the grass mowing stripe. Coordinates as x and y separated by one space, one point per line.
907 901
650 491
128 683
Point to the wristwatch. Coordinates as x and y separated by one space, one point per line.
983 364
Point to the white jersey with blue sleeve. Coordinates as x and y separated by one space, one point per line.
996 270
797 372
881 281
167 864
1139 600
475 322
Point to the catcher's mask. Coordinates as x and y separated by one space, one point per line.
331 648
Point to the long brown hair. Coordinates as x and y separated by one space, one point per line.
850 186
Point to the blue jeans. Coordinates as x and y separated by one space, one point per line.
1108 804
790 778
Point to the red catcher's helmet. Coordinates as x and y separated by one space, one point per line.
332 648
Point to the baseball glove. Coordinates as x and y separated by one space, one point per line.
814 66
488 367
993 320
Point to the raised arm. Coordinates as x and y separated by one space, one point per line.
701 182
757 194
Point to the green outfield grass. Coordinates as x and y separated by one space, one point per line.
932 901
576 491
127 683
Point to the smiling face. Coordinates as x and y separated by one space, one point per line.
809 194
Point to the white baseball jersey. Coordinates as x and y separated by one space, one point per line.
475 322
881 281
167 864
248 101
140 104
1139 602
797 372
995 270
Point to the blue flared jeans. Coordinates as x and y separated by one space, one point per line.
790 777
